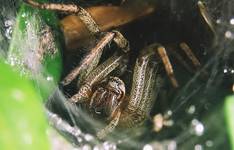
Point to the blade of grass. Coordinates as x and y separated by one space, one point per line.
229 111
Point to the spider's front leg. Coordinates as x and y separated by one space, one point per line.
145 85
84 16
92 58
98 74
69 8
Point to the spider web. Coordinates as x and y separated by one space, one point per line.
196 108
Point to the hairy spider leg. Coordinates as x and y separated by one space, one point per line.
185 47
193 58
95 76
84 16
181 60
120 41
145 87
190 55
68 8
205 15
166 61
110 127
93 56
167 64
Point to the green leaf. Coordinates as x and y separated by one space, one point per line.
22 123
35 48
229 111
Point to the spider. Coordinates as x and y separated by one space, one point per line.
106 95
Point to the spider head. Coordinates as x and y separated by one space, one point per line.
108 96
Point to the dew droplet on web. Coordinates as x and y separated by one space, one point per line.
8 25
197 127
147 147
198 147
228 35
218 21
232 21
209 143
191 110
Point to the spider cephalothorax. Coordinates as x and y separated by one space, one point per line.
108 97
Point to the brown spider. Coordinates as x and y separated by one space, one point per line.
105 94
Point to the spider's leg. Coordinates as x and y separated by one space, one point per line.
205 15
188 51
194 59
110 127
145 85
84 16
89 58
68 8
95 54
167 64
95 76
121 41
181 60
